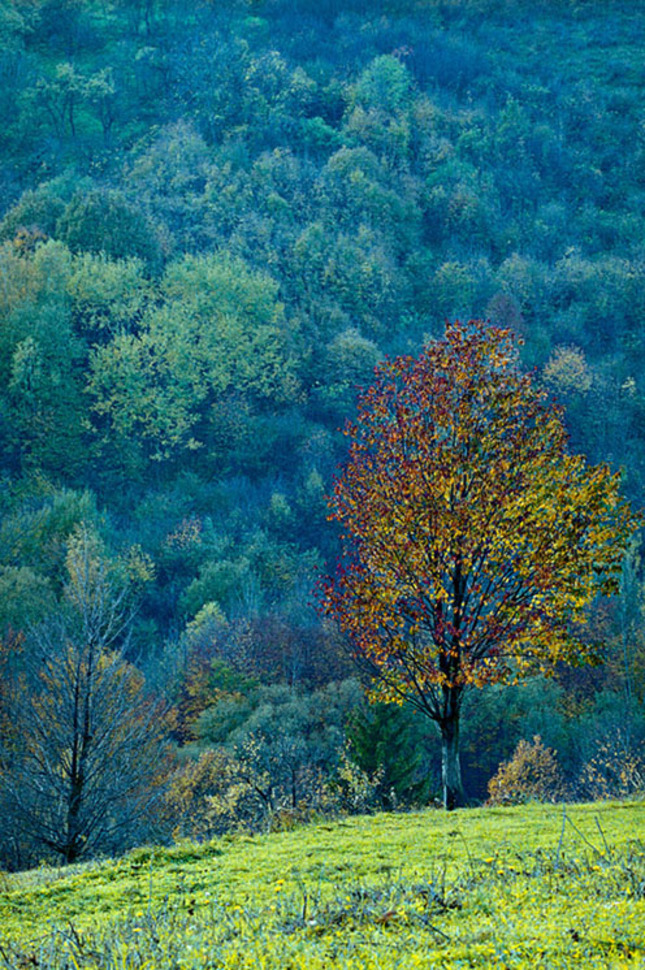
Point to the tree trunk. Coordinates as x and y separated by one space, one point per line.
453 792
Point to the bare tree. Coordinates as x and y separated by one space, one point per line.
89 758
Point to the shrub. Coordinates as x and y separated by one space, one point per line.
353 789
532 773
616 768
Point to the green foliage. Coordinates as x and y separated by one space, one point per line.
108 296
149 386
349 362
241 323
25 597
41 360
386 742
497 719
220 582
567 373
36 532
214 328
264 755
36 212
385 85
105 222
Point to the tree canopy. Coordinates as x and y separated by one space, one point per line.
473 539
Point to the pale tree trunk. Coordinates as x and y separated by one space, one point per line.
453 792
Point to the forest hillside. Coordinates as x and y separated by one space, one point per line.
216 218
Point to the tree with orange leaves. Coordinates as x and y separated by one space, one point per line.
473 540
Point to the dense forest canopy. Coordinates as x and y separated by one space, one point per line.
216 219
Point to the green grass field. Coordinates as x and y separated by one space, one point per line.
514 887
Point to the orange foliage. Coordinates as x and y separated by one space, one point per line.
473 540
532 773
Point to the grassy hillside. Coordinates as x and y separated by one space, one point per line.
513 887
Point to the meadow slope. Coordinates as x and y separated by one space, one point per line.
536 885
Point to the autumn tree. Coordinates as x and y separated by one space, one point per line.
89 761
473 539
87 744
